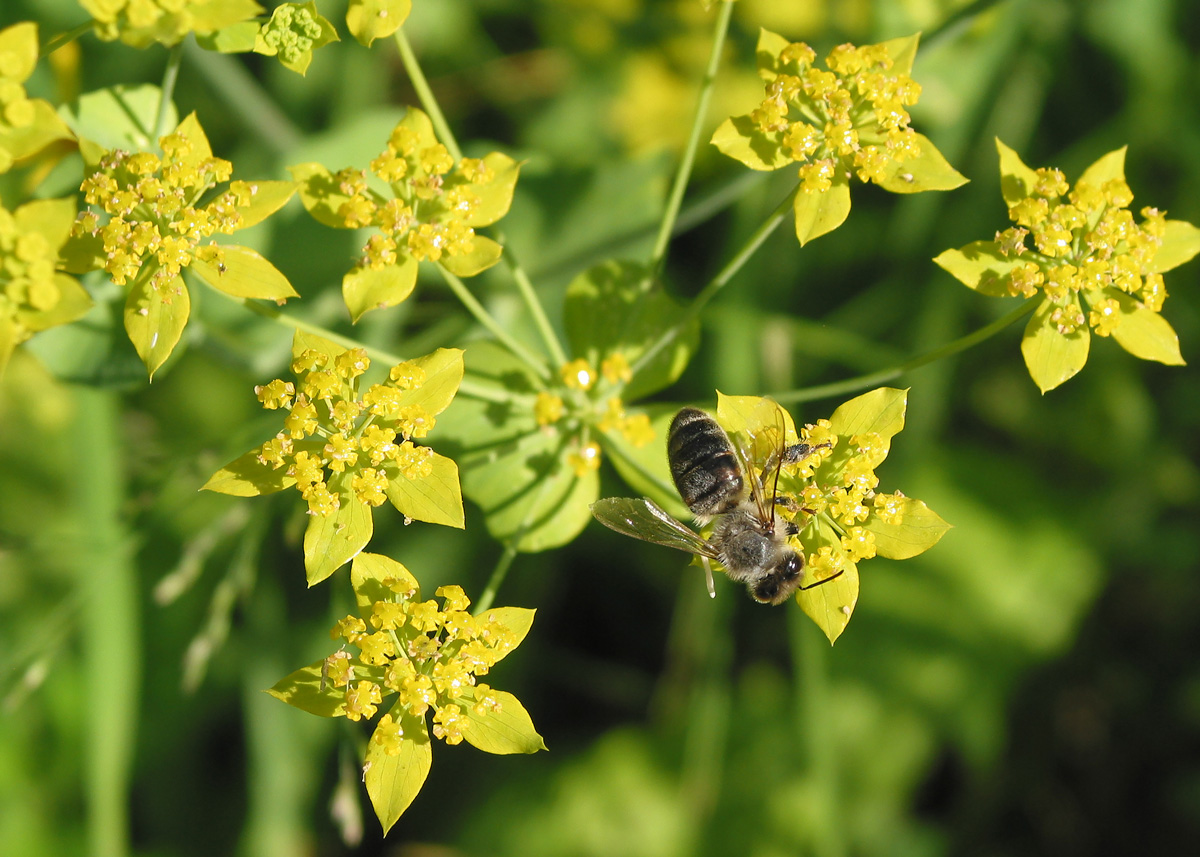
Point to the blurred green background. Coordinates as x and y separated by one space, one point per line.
1029 686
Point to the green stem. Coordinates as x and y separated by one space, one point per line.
467 387
475 308
426 96
971 10
825 391
815 718
55 42
529 295
719 281
170 75
498 574
689 154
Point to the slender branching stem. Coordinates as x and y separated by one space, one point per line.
425 95
850 385
170 75
675 200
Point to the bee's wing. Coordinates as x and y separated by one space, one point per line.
643 519
761 454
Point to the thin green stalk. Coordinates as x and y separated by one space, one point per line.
170 75
475 308
675 200
110 621
719 281
467 387
815 717
425 95
498 574
247 99
825 391
529 295
971 10
55 42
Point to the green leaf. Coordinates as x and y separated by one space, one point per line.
330 541
880 411
831 604
73 303
739 138
1106 168
239 38
517 619
927 171
155 318
82 253
1016 180
614 308
766 55
981 266
368 575
902 51
369 20
52 218
1180 242
320 194
303 341
645 468
10 337
28 140
393 782
302 689
435 499
19 46
1050 356
1144 333
820 213
443 370
244 273
509 730
246 476
219 14
266 198
920 529
752 415
495 197
485 253
120 117
366 289
514 470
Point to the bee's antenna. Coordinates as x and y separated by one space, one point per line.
823 580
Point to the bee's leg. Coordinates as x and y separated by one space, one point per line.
787 502
708 579
800 451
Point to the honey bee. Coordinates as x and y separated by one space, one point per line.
719 482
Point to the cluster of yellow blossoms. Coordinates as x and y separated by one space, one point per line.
607 413
844 491
430 656
1084 241
151 205
141 22
852 115
330 429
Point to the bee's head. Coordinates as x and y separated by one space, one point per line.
778 585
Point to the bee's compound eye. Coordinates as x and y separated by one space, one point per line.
777 586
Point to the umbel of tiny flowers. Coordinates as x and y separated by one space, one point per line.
147 221
292 33
431 658
347 450
33 294
27 125
850 119
429 213
143 22
833 495
1095 268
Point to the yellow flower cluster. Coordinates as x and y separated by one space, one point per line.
1084 240
430 656
331 429
28 284
16 109
851 116
435 200
151 221
141 22
588 391
845 493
